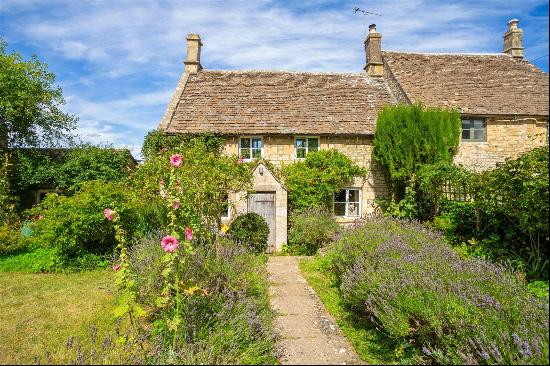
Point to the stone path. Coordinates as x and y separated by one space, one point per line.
308 334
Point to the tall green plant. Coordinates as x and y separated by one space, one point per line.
408 136
314 181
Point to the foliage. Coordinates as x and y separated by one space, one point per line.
6 200
36 260
75 225
313 181
226 316
311 229
203 183
11 240
455 310
156 140
408 136
65 169
404 209
30 103
539 289
251 230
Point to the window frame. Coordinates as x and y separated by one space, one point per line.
251 148
346 207
472 129
307 145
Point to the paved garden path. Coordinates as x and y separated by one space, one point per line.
308 334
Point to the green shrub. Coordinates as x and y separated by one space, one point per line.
75 225
251 230
11 240
409 136
456 310
156 140
35 261
310 229
313 181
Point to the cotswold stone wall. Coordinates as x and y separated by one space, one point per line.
279 149
506 138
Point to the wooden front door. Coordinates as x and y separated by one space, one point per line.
263 203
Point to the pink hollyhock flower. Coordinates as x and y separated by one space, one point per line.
169 243
161 182
108 213
116 267
164 149
188 233
176 205
176 160
240 161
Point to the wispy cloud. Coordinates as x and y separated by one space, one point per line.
119 61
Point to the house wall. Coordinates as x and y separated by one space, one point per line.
279 149
506 138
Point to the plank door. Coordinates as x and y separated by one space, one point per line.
263 203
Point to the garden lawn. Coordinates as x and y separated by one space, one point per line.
39 312
371 345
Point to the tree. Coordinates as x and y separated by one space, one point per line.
410 136
30 103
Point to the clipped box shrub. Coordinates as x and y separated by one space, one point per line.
251 230
457 310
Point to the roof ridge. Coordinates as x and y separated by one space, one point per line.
342 73
450 53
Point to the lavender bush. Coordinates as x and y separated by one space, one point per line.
457 310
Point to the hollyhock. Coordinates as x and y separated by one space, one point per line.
240 161
116 267
108 213
176 160
169 243
164 149
188 233
176 205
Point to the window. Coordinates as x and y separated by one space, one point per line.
250 148
474 130
347 203
303 145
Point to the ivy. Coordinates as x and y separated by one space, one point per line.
409 136
313 181
156 140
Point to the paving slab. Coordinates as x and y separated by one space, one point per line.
308 335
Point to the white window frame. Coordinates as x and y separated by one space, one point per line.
307 145
250 148
346 215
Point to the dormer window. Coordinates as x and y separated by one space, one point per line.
304 145
474 129
250 148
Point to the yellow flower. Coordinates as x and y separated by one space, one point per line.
225 228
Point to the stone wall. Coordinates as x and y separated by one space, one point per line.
506 138
279 149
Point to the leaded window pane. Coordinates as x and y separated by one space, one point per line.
340 196
301 152
245 153
466 134
256 153
313 144
300 143
256 143
245 143
479 135
353 209
353 195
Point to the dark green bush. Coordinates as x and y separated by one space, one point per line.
156 140
456 310
251 230
311 229
409 136
313 181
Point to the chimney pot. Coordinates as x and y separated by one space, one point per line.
513 43
193 60
373 52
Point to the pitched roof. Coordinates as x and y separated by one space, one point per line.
475 84
276 102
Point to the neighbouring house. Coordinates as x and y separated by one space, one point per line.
281 116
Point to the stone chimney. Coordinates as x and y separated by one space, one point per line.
193 60
373 50
513 40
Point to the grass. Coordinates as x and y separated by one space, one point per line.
371 345
39 312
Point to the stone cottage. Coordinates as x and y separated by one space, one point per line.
281 116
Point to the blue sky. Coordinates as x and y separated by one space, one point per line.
118 62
